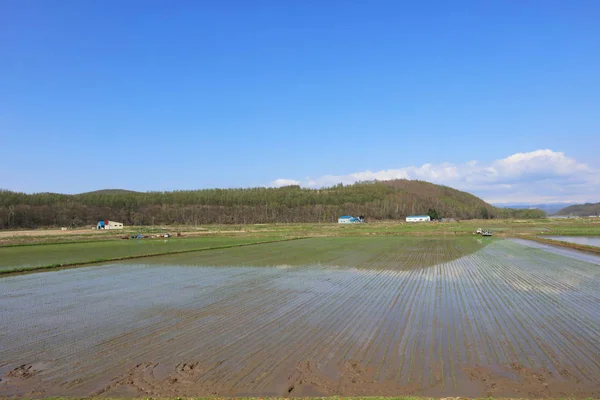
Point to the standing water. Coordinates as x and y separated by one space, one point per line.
585 240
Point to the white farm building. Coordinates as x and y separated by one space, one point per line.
418 218
106 224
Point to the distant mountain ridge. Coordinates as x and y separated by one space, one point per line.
581 210
376 200
548 208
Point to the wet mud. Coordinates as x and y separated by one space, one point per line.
507 320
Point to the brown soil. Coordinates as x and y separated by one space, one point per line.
23 372
515 380
349 378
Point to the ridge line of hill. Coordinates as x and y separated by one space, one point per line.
580 210
376 200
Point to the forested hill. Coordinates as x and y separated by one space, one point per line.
376 200
581 210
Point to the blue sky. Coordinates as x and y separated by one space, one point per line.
496 97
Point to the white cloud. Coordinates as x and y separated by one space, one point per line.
284 182
537 176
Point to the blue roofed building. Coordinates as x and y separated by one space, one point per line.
348 219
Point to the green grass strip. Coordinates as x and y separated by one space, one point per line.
20 270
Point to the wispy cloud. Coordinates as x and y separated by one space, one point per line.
537 176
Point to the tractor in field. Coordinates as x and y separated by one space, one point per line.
483 232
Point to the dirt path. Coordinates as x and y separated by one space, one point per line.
50 232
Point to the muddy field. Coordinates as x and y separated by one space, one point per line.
331 316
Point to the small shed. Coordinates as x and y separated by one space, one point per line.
418 218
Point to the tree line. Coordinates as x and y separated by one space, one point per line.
376 200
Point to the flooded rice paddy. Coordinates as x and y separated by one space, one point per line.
585 240
323 316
